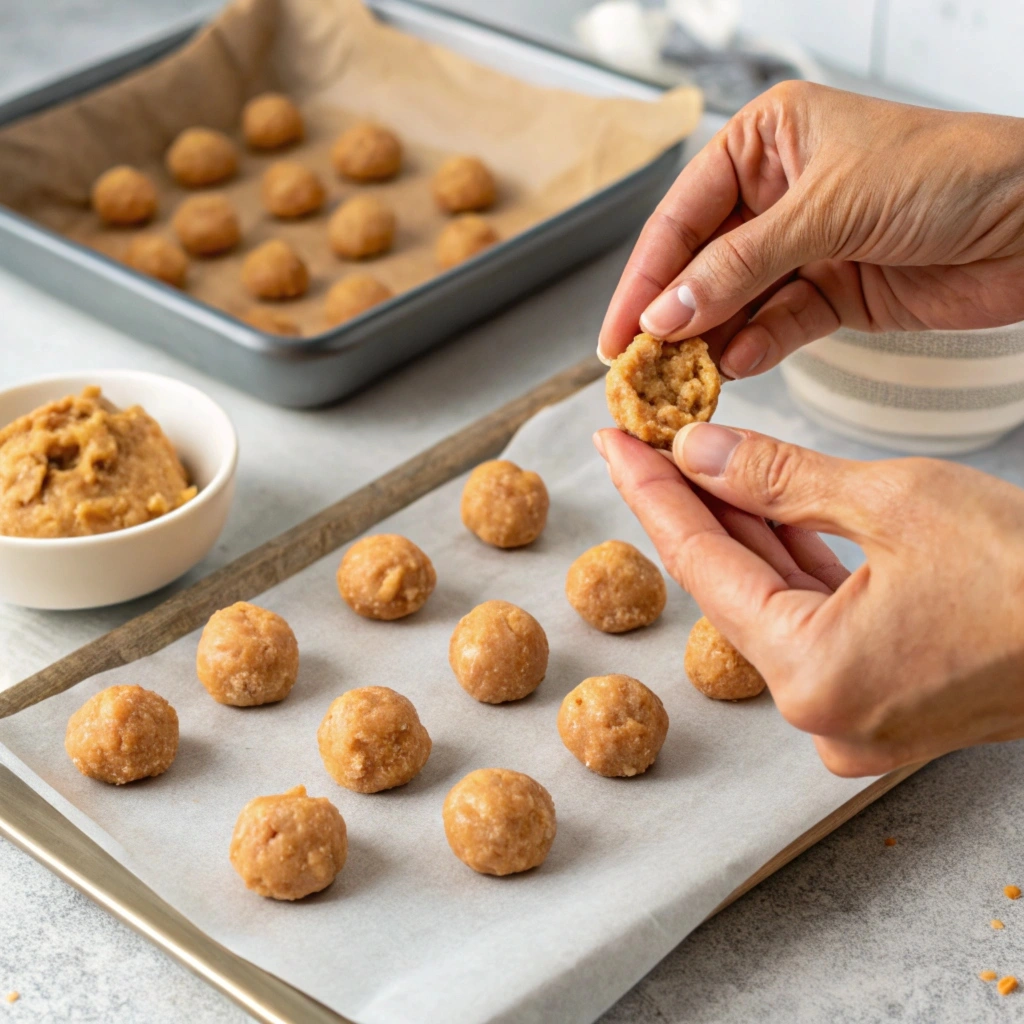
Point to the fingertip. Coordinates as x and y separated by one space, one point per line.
607 360
599 444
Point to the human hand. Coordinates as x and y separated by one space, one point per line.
918 652
814 208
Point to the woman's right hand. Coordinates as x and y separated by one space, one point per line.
813 208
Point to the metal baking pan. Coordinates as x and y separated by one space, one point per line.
315 370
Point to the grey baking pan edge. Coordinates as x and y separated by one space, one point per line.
313 371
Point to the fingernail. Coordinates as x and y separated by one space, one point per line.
705 448
669 313
604 359
599 445
743 356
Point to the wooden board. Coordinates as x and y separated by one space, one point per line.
28 821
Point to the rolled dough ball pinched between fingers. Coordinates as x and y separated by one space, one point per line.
615 587
716 668
504 505
386 577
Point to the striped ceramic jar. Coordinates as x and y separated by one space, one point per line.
927 393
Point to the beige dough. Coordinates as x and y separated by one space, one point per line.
463 183
462 238
79 466
656 388
615 588
275 271
271 321
289 845
385 577
124 196
360 228
498 652
202 156
716 668
614 725
367 152
247 656
499 822
121 734
290 189
353 295
371 739
158 257
270 121
504 505
207 225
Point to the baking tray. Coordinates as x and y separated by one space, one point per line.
315 370
28 821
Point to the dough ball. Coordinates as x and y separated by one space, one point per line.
464 183
271 321
353 295
202 156
291 189
498 652
275 270
615 588
498 821
385 577
504 505
207 225
613 725
247 656
159 257
367 152
121 734
371 739
124 196
362 227
270 121
655 388
462 239
289 845
716 668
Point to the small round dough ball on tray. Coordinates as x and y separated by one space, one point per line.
463 184
655 388
463 238
270 121
353 295
274 270
290 190
499 822
716 668
504 505
613 725
247 656
361 227
289 845
121 734
202 156
615 587
272 321
207 225
498 652
386 577
371 739
158 257
367 152
124 196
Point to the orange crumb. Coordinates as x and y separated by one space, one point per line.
1007 985
13 997
1012 892
997 924
987 975
890 841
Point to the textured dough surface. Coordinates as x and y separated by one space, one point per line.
270 121
462 238
360 228
504 505
202 156
289 189
124 196
275 270
353 295
385 576
207 225
159 257
716 668
464 183
615 587
367 152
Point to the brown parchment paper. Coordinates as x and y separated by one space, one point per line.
549 148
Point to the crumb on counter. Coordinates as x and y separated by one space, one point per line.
987 975
13 997
1012 892
1007 985
997 924
890 840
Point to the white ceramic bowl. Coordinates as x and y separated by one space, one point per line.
88 572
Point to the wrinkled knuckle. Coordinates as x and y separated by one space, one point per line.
684 561
738 260
688 238
769 471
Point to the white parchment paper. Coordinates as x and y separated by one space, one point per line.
407 933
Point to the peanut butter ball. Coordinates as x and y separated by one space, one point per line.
385 577
289 845
613 725
367 152
498 652
207 225
270 121
371 739
463 238
290 189
271 321
275 270
353 295
362 227
655 388
499 822
121 734
247 656
615 588
504 505
158 257
716 668
463 183
202 156
124 196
